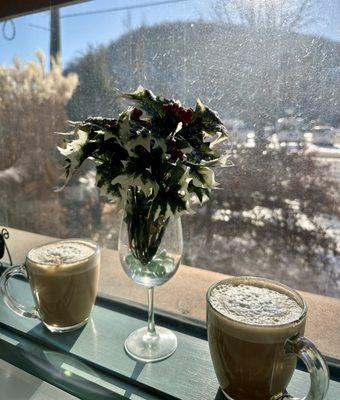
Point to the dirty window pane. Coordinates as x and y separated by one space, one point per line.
270 68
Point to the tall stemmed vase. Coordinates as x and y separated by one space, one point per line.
150 249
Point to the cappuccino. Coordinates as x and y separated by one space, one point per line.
61 254
248 323
254 305
64 279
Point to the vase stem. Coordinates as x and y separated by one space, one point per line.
151 315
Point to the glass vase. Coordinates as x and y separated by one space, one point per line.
150 249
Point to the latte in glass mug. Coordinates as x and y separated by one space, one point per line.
255 329
63 277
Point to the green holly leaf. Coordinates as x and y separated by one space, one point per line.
198 191
146 100
209 121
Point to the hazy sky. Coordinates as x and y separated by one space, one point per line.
78 32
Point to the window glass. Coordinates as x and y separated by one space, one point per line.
271 70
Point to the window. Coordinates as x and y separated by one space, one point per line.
269 69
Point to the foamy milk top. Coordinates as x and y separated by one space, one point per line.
254 305
61 253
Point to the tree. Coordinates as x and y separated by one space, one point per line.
239 71
272 209
263 14
32 109
95 92
252 75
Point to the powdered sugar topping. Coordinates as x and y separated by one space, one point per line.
254 305
63 252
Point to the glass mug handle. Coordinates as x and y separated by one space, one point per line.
316 366
14 305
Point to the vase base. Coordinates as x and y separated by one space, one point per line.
146 347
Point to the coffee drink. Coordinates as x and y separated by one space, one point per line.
249 321
254 305
64 279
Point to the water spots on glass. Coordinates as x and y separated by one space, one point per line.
270 69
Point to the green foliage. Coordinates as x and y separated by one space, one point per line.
94 94
147 101
272 203
162 150
154 157
241 71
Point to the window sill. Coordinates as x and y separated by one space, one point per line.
91 362
185 292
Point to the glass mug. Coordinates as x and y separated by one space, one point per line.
63 278
254 361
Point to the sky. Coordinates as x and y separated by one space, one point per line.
78 32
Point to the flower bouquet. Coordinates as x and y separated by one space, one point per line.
157 157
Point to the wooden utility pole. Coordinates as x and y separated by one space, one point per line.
55 46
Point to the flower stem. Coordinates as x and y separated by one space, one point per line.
145 234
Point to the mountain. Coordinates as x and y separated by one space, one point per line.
241 72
